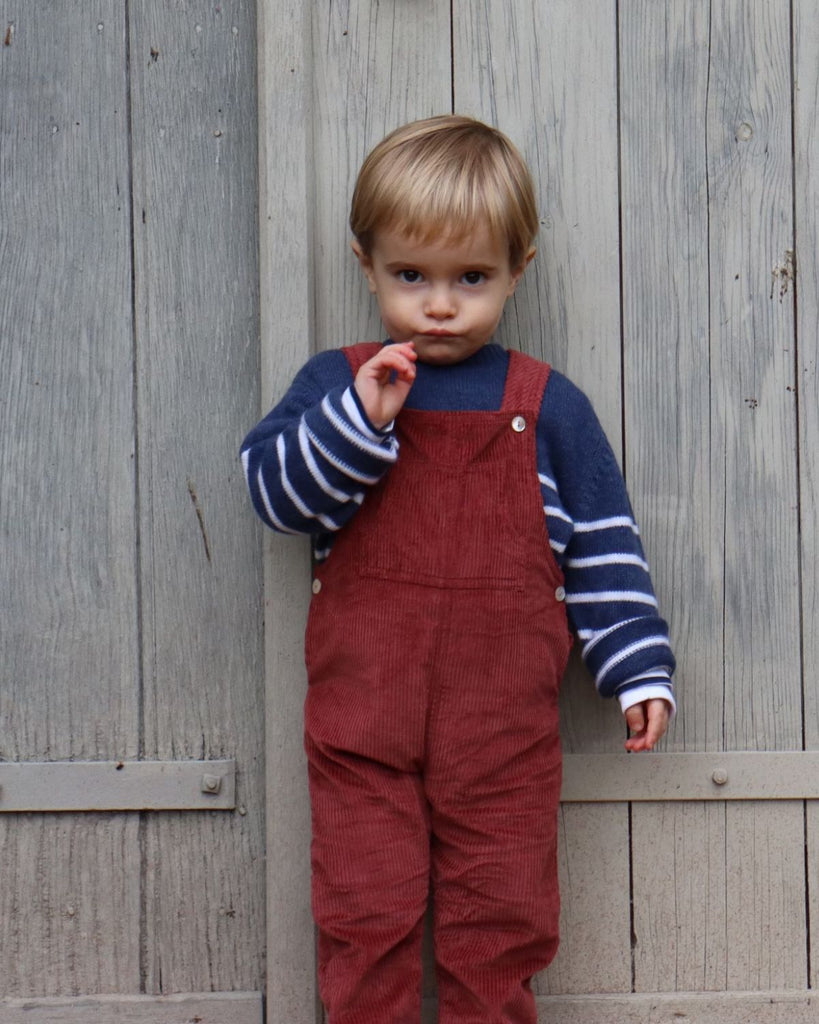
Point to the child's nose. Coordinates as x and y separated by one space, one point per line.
440 304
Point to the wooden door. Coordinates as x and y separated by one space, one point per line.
131 614
675 145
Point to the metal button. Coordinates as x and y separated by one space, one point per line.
560 593
719 776
316 586
518 424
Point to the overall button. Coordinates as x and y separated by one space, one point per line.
518 424
316 586
560 594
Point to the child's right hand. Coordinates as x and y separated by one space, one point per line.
384 382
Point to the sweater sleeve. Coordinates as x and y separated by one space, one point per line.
610 599
309 462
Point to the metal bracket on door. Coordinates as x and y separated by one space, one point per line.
41 786
732 775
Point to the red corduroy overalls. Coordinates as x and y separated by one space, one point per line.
436 643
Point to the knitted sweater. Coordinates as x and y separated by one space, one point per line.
311 460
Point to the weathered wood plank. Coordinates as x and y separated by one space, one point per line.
806 154
69 672
765 896
709 377
772 1007
664 59
516 66
593 858
193 71
286 259
378 66
69 904
752 370
204 1008
680 916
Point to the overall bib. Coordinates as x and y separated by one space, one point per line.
436 642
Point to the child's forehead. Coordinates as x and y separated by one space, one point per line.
461 241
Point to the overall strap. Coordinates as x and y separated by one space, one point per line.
526 381
357 355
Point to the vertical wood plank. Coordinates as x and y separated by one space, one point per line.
709 386
69 671
516 65
806 155
382 64
286 175
752 368
679 911
193 71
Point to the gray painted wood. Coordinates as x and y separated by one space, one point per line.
193 74
117 786
806 154
709 385
376 66
772 1007
203 1008
727 775
285 207
69 675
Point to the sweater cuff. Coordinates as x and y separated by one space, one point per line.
366 424
648 691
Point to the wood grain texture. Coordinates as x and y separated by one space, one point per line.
709 386
202 1008
515 65
806 156
772 1007
69 679
193 73
377 66
69 904
287 169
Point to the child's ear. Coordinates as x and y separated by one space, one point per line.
365 262
517 274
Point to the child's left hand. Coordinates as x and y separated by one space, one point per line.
647 722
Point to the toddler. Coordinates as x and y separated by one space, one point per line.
466 513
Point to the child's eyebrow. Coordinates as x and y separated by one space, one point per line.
484 268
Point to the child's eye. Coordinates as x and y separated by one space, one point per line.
473 277
409 276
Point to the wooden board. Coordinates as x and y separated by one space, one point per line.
375 67
203 1008
69 677
771 1007
709 385
806 290
193 76
117 786
728 775
285 207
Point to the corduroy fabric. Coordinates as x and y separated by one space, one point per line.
435 646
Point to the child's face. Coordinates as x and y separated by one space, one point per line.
447 297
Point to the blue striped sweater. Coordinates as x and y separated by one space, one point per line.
311 460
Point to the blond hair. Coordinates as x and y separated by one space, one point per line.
443 176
